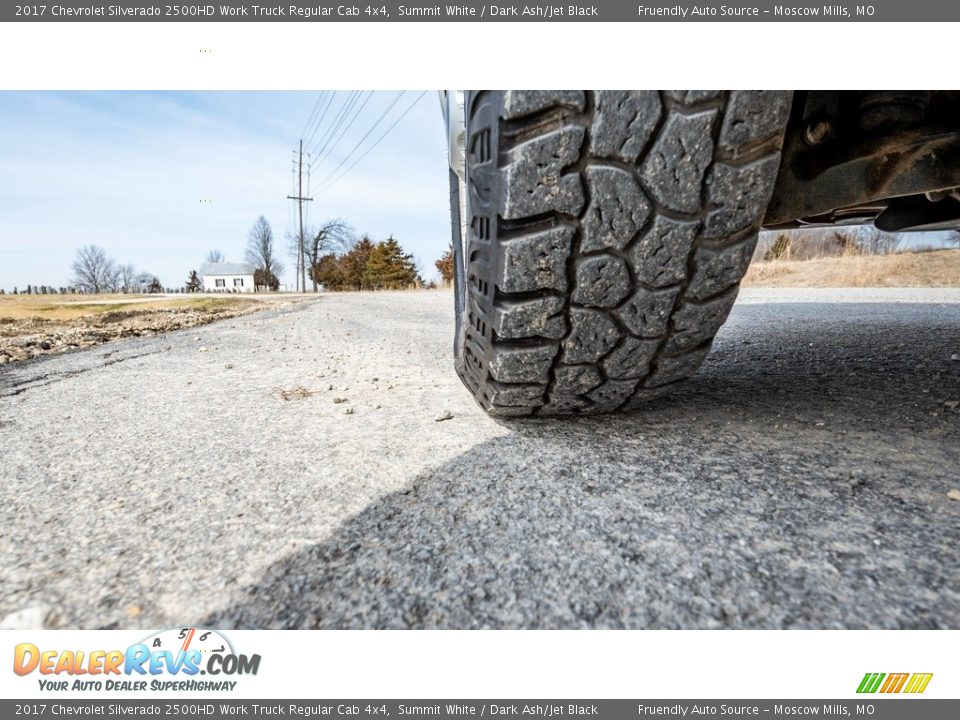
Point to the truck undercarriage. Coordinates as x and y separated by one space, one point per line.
890 157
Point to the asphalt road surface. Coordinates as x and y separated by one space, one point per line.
286 470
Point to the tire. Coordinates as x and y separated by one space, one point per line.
607 233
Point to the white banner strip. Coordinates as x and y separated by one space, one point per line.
507 664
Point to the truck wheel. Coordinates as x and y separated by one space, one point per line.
606 236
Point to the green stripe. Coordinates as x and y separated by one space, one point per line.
864 683
876 684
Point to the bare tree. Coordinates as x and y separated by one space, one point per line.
333 236
260 251
93 271
215 256
128 278
876 242
953 238
142 281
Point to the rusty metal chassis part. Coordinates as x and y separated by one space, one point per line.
889 157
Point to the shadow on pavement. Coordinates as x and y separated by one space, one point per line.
800 480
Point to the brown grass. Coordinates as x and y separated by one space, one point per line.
940 268
32 325
71 307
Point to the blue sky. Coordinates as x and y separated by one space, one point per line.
128 170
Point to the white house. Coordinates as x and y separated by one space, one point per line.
227 277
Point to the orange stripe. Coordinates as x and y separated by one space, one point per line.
186 642
894 682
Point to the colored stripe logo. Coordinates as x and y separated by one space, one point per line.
913 683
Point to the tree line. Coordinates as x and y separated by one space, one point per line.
823 242
333 259
367 265
96 272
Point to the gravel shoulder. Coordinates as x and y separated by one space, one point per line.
288 469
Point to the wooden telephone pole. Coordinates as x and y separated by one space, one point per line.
301 264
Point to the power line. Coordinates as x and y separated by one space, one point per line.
313 112
311 127
356 114
308 194
337 122
328 140
291 211
373 127
322 115
324 130
322 186
319 120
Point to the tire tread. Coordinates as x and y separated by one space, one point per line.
607 235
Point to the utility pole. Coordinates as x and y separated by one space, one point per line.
301 264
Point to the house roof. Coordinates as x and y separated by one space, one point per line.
226 268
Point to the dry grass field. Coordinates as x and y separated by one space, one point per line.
939 268
71 307
32 325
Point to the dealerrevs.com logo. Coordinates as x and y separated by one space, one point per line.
170 660
911 683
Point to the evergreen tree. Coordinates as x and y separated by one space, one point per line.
780 248
445 266
193 282
328 271
354 264
389 267
265 278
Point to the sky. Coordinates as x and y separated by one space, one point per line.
158 179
